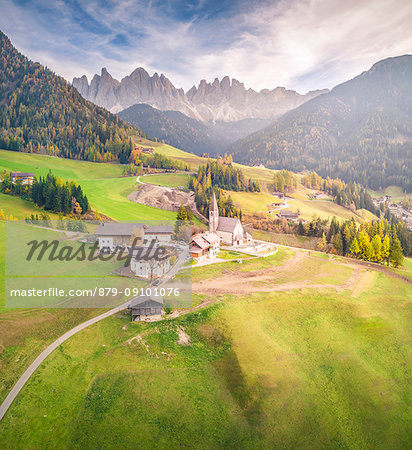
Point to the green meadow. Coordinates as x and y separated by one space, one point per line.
256 173
168 179
19 208
327 209
298 369
109 196
67 169
321 364
395 192
106 190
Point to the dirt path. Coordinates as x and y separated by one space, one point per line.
203 304
237 282
272 279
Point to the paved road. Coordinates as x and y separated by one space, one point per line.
45 353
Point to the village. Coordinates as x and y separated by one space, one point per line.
199 248
396 209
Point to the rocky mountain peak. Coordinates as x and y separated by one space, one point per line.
221 100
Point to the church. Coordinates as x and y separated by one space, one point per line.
229 229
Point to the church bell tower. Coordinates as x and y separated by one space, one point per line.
213 214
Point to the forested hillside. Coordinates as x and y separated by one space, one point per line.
171 126
40 112
181 131
360 132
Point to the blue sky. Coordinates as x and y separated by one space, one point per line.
300 44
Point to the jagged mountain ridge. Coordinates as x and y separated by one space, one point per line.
226 100
360 131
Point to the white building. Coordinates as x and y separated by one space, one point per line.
229 229
113 236
205 246
150 268
161 233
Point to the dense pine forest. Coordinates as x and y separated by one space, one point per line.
50 193
40 112
360 132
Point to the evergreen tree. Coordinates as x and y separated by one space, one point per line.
396 255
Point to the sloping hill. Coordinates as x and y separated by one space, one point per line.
360 131
41 112
171 126
189 134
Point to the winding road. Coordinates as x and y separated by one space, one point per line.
47 351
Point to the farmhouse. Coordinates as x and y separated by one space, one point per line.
146 308
288 215
148 268
147 150
22 177
229 229
161 233
205 246
317 196
114 236
280 195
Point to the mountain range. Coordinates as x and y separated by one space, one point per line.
360 131
221 101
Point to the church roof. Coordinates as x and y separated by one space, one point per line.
227 224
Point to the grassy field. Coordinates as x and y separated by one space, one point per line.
67 169
394 191
106 190
109 197
326 209
307 242
262 175
24 333
406 269
193 160
299 369
19 208
230 254
252 202
168 179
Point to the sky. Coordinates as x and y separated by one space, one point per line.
299 44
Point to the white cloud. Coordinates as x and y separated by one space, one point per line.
300 44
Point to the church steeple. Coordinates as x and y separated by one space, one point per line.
213 214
